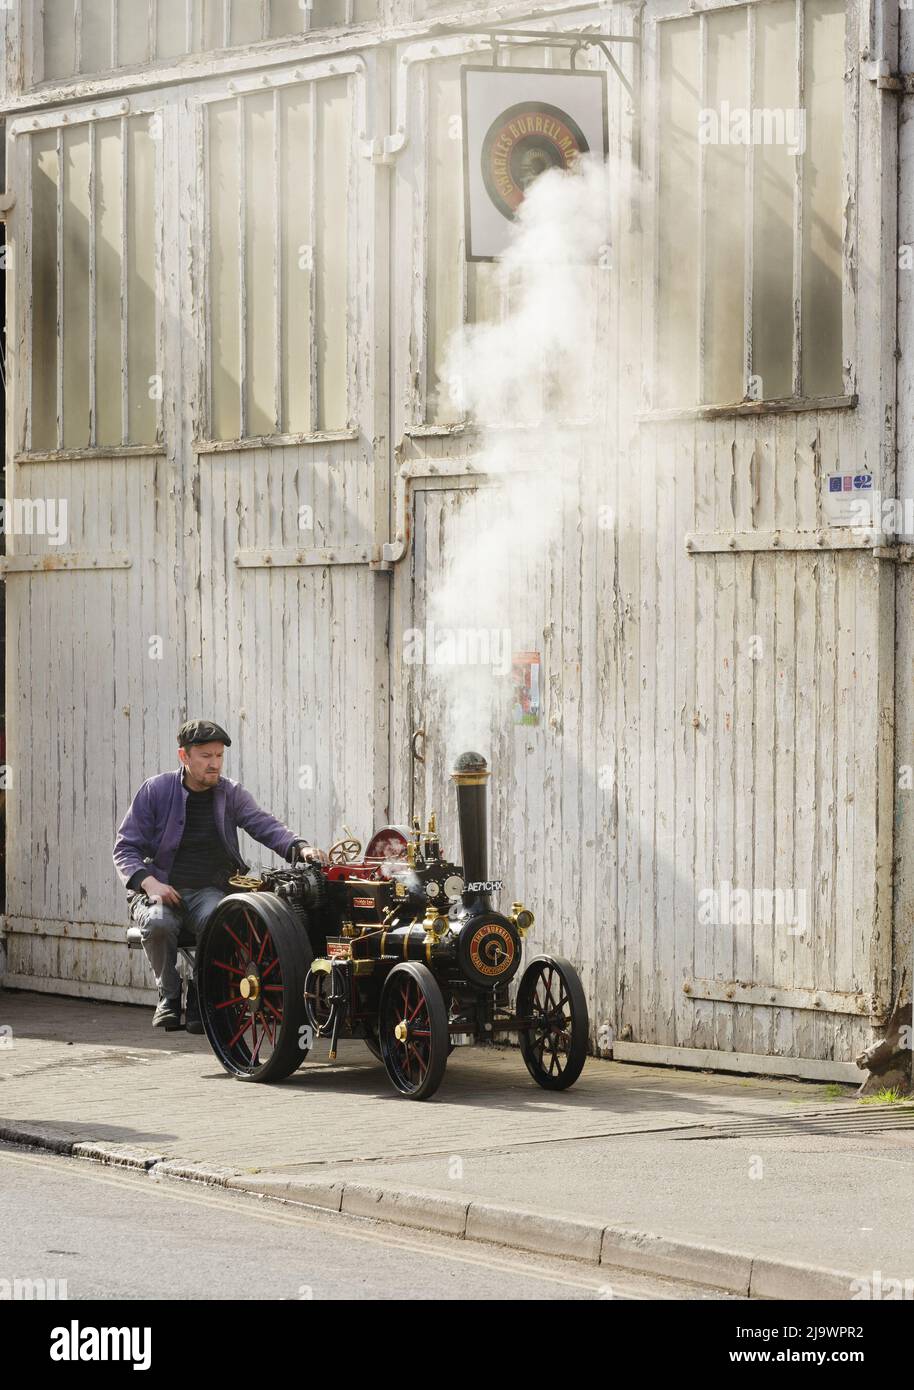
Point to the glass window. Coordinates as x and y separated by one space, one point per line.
279 174
93 264
751 112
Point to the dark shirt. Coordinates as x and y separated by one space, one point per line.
201 860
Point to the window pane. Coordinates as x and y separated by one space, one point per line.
76 288
247 21
259 252
171 28
59 36
286 17
324 13
211 17
332 185
773 186
95 37
678 214
45 181
108 231
224 287
725 194
823 79
297 258
141 286
132 33
363 11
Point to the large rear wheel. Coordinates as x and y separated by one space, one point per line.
250 971
553 1010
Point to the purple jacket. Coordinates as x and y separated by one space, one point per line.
149 835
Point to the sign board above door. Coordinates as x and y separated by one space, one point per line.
518 122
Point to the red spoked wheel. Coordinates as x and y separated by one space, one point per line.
250 970
552 1022
413 1030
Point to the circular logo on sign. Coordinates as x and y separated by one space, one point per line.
492 949
522 143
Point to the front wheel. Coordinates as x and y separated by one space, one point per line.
413 1030
250 971
553 1024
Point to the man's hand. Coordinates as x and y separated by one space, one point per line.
161 892
312 852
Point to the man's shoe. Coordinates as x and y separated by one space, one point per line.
192 1020
168 1014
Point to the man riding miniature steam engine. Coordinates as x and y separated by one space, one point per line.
176 850
401 948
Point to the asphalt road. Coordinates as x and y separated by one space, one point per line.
116 1234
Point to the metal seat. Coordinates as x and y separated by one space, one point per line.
186 944
186 938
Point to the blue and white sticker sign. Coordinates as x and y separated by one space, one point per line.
517 123
847 499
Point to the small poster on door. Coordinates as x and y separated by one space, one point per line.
525 670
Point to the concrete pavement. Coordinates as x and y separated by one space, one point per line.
744 1184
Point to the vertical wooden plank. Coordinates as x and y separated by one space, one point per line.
645 941
667 544
704 655
745 658
688 735
628 734
725 440
785 733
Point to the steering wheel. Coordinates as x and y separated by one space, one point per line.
345 851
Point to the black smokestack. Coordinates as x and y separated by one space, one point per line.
470 775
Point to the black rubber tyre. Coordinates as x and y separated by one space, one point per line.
554 1043
415 1063
253 942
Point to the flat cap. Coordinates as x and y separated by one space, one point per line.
202 731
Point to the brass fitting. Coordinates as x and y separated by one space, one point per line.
435 925
522 918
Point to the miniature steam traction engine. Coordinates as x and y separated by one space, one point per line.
400 947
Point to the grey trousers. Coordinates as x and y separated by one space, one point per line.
160 925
